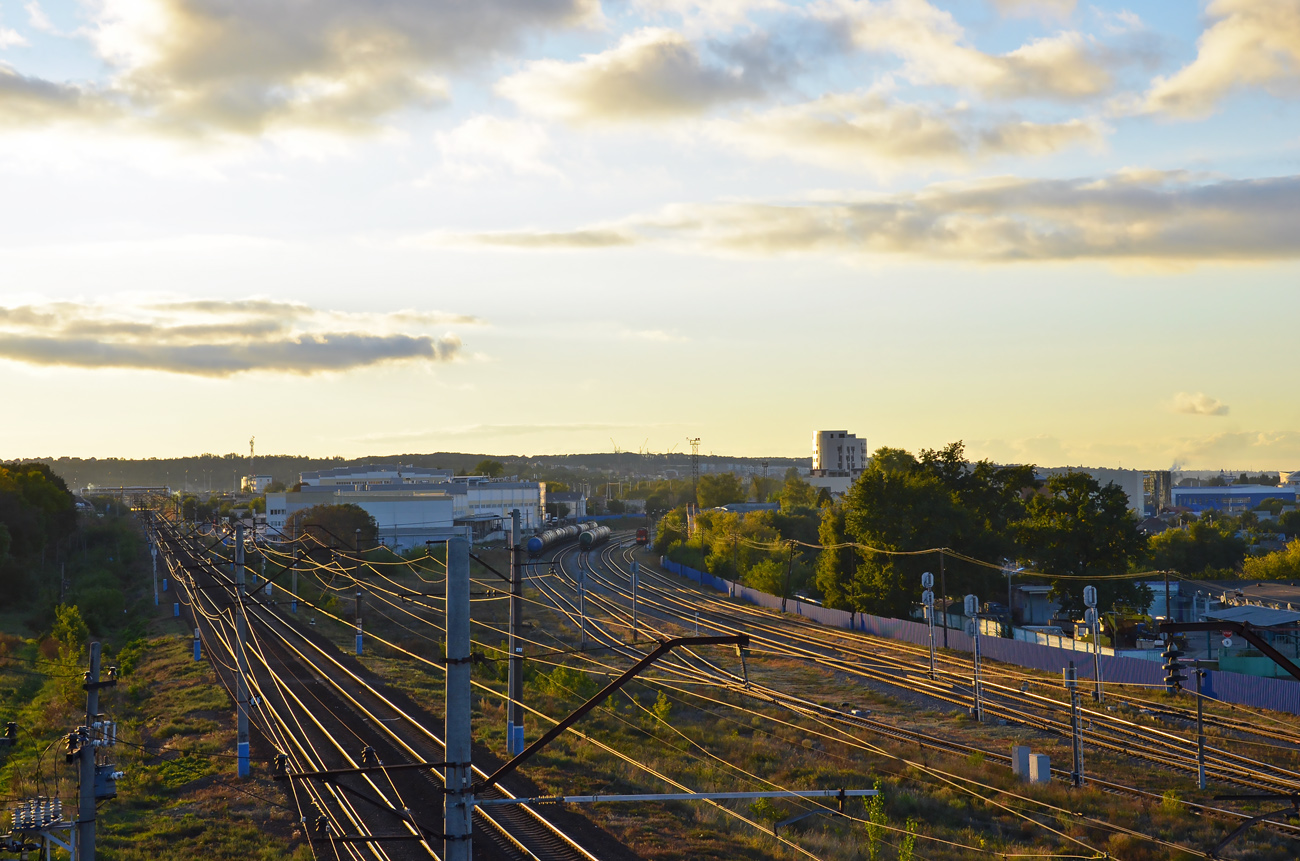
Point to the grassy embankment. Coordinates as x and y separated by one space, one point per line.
180 795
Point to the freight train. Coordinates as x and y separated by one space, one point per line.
592 537
551 537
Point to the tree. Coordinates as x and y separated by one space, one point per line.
1288 523
490 468
1082 529
335 526
719 489
71 633
1282 565
796 492
1207 544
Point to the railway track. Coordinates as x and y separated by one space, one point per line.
662 598
320 709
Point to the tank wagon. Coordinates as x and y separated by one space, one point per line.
592 537
551 537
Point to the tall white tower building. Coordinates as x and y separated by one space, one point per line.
838 454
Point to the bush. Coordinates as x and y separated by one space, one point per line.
565 682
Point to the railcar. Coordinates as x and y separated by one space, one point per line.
593 537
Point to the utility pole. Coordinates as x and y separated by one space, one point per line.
153 554
293 603
515 679
457 845
241 634
695 465
86 793
789 568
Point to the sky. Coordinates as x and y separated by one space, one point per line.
1064 232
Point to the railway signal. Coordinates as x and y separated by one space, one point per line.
1174 677
927 601
972 607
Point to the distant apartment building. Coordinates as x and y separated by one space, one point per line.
255 484
1132 481
839 457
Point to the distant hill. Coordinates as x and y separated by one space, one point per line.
222 472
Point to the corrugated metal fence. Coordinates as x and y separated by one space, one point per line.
1277 694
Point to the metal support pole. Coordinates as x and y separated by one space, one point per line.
297 554
1200 726
979 704
582 603
1098 694
943 595
241 634
789 569
636 572
459 795
697 623
153 553
515 679
86 795
929 617
358 621
198 646
1076 728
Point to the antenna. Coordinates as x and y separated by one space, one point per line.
695 461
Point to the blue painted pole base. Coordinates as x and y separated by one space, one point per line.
243 759
519 740
198 650
176 610
293 606
164 584
358 644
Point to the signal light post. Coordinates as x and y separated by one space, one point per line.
1090 598
1174 677
927 601
972 607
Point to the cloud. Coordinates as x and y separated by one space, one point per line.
1155 216
1044 8
484 144
867 131
653 74
708 15
38 19
217 338
1199 404
932 45
571 239
204 67
1254 43
11 39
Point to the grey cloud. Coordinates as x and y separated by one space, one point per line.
243 336
652 74
1199 404
195 67
27 101
252 307
867 131
1152 216
304 355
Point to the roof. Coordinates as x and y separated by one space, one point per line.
1234 490
1258 617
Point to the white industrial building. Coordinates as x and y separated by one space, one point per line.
255 484
408 513
382 474
839 457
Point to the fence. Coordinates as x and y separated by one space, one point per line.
1276 694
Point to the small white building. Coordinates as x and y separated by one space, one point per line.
255 484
